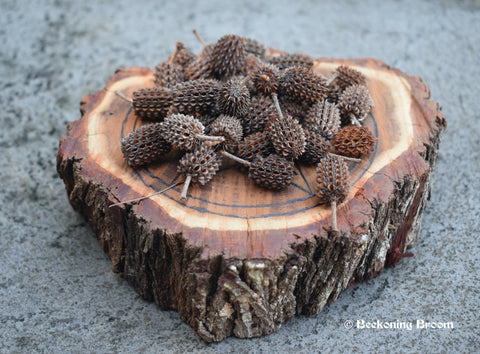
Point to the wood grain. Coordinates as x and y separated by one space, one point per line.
235 259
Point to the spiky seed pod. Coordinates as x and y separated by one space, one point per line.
317 147
355 103
346 76
184 56
144 145
254 47
288 137
303 84
199 68
152 103
198 167
168 75
323 118
260 112
272 172
201 164
207 121
289 60
257 144
233 98
181 131
297 109
266 79
332 179
228 56
354 141
230 128
250 64
195 97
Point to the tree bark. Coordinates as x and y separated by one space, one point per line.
235 259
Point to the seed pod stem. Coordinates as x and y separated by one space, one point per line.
174 54
213 139
147 196
122 96
200 39
277 105
183 195
235 158
331 79
333 204
354 120
353 159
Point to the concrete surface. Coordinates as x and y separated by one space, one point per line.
57 291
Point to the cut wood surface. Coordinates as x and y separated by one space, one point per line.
236 259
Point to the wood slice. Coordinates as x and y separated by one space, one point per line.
236 259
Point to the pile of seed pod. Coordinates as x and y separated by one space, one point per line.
264 112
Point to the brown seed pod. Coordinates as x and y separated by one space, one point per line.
233 98
289 60
183 56
230 128
168 75
228 56
346 76
354 141
252 46
152 103
195 97
297 109
303 84
332 183
287 137
199 68
198 166
272 172
182 131
323 118
266 79
316 148
144 145
250 64
260 112
257 144
332 179
354 104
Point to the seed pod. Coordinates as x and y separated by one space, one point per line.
346 76
287 137
332 183
316 148
230 128
266 79
199 68
182 131
198 167
250 64
252 46
144 145
152 103
323 118
233 98
195 97
355 103
289 60
303 84
260 113
272 172
296 109
332 179
228 56
184 56
257 144
168 75
353 141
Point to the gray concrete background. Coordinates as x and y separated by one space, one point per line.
57 291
